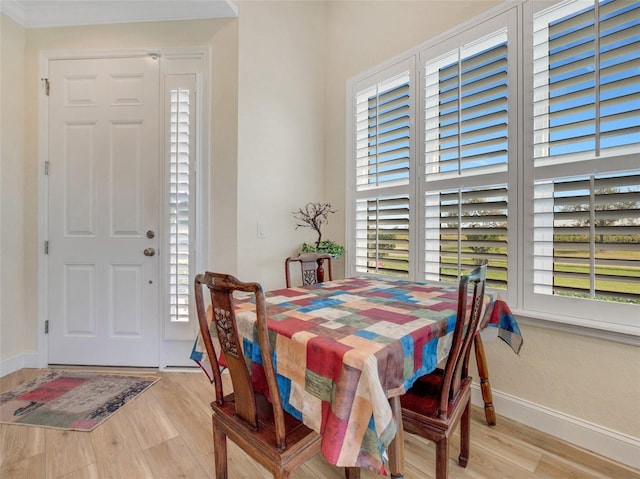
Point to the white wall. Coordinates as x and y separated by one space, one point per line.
280 131
13 285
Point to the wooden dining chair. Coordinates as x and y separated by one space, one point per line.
252 419
312 268
438 401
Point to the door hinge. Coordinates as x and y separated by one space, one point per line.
45 81
46 168
46 247
46 327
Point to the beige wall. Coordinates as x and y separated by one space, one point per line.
594 380
12 212
278 131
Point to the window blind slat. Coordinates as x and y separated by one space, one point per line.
594 245
383 138
179 205
466 112
575 21
465 227
382 236
575 110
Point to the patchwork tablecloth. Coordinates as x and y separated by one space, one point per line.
341 349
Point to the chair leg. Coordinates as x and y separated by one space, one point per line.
220 452
352 472
442 458
465 430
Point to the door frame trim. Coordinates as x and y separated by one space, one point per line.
202 237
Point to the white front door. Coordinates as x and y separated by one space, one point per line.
103 200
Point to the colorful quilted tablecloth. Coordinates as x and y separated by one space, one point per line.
341 349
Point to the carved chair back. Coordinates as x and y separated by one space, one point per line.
222 288
311 267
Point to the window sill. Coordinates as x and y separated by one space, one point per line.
584 327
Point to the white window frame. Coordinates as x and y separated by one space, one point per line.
590 317
391 70
188 67
499 175
615 317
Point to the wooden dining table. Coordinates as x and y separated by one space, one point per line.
345 351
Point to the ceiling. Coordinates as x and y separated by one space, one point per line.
59 13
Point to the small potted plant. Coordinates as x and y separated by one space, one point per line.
313 216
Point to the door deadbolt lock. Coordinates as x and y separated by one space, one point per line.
151 234
149 252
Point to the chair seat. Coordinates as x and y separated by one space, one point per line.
299 437
424 396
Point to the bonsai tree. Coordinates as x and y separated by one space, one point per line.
314 216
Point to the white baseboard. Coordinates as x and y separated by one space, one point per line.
605 442
15 363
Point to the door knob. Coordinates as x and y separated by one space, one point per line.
149 252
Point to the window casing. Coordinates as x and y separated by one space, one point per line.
524 131
585 175
467 93
185 206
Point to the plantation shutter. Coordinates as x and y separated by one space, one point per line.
382 236
586 138
382 134
586 76
588 238
382 152
464 228
180 201
466 97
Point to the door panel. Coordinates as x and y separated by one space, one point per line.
103 198
80 302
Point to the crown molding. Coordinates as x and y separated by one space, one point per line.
63 13
14 10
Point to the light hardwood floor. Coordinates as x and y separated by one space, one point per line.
166 433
